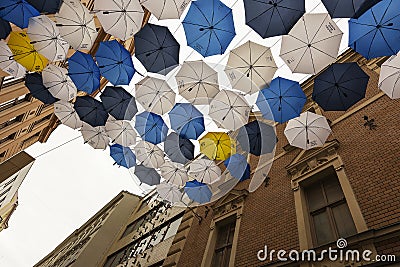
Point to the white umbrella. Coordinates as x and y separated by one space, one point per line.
166 9
307 131
7 62
250 67
174 173
46 38
96 137
312 44
229 110
66 113
169 192
59 84
389 78
121 132
155 95
119 17
204 170
76 24
197 82
149 154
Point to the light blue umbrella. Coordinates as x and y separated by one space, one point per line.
187 120
198 191
84 72
376 33
17 12
284 98
115 63
151 127
238 167
123 156
209 27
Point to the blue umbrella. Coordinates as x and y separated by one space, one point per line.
238 167
46 6
84 72
157 49
91 111
340 86
348 8
119 103
284 98
198 191
123 156
5 28
178 149
376 33
115 63
17 12
34 82
209 27
151 127
273 18
187 120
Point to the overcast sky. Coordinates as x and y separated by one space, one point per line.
68 185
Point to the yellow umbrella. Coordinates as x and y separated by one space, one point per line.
24 52
217 146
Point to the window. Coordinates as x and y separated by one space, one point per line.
133 226
330 217
223 246
8 138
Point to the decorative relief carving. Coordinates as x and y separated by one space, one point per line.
234 201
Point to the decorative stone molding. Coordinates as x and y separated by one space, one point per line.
232 202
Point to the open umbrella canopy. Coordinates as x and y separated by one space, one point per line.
209 27
17 12
340 86
96 137
250 67
84 72
187 120
24 52
155 95
307 131
147 175
46 38
46 6
283 98
115 63
389 78
197 82
7 62
198 192
229 110
119 18
376 33
119 103
34 82
257 138
312 44
121 132
5 28
157 49
273 18
204 170
238 167
174 173
66 113
123 156
166 9
217 145
151 127
149 155
169 192
58 82
348 8
91 111
178 149
76 25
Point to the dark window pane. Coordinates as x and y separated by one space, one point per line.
333 190
227 256
315 197
222 236
343 220
323 229
217 261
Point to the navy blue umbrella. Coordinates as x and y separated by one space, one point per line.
187 120
123 156
84 72
34 82
151 127
115 63
340 86
197 191
238 167
209 27
348 8
91 111
147 175
178 149
273 17
119 103
284 98
376 33
257 138
46 6
157 49
5 28
17 12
